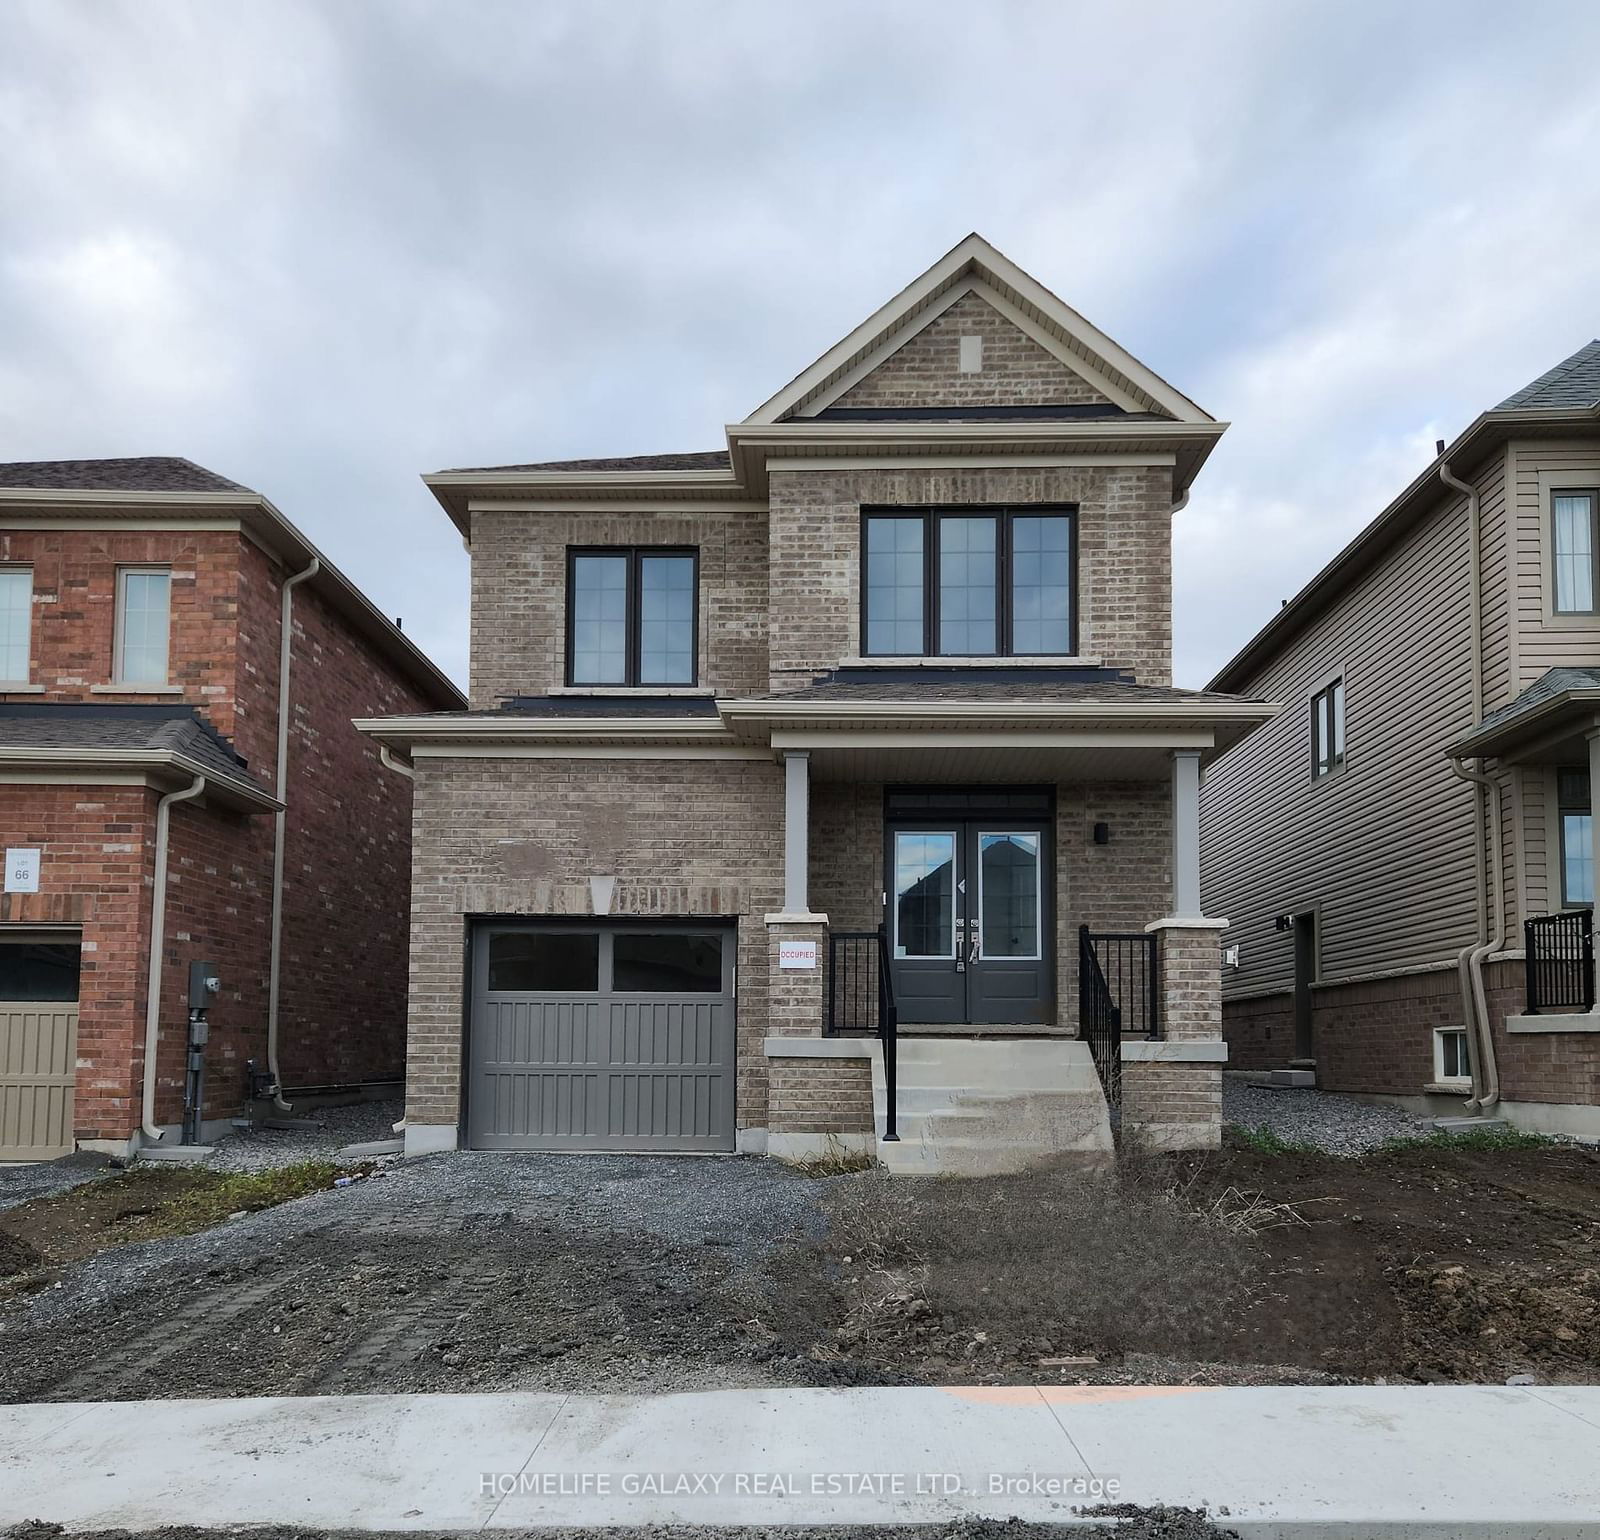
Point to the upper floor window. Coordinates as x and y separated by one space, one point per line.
968 583
631 616
16 623
1576 549
1327 729
1577 848
144 624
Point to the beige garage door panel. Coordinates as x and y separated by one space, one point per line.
38 1054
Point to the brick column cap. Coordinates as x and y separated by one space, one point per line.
1187 922
795 919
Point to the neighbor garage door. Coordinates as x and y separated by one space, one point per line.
601 1037
38 1044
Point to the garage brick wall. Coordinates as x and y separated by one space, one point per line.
820 1096
683 837
1124 556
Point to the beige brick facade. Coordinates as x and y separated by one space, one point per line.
1016 370
820 1096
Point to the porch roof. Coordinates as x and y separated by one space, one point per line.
1547 721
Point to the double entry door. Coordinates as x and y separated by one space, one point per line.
969 920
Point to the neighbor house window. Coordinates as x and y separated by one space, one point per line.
1327 729
144 624
1450 1061
1577 849
1573 518
16 623
631 616
968 583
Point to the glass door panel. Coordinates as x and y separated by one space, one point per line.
924 894
1008 895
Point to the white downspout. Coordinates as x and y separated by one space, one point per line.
1491 906
280 822
158 938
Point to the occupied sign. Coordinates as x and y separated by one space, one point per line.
797 954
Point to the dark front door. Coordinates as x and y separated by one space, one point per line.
970 925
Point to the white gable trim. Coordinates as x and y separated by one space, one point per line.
887 328
1063 355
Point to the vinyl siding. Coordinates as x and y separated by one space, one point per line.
1382 849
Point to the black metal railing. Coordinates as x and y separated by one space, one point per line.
1559 961
1117 998
861 1000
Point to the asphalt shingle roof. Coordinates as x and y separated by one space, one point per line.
1555 681
978 691
147 473
1574 381
709 460
179 729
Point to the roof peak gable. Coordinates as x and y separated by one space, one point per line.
973 264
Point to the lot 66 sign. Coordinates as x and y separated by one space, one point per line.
22 871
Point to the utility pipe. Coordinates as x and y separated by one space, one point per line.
1486 801
1469 965
280 822
394 764
158 937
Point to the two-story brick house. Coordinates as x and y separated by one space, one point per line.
180 781
898 656
1382 847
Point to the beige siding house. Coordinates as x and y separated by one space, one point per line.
832 784
1381 847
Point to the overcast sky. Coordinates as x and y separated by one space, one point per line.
323 247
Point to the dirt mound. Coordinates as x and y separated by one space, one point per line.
16 1255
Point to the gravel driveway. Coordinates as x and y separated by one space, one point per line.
466 1271
1340 1125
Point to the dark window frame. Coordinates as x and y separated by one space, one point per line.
1593 494
1333 693
1003 513
635 555
1564 806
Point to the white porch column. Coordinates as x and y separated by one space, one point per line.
1186 833
1594 791
796 831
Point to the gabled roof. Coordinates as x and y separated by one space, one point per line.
1574 381
1563 402
973 264
130 490
708 460
171 737
1544 701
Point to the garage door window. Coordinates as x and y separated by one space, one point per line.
543 962
38 972
667 964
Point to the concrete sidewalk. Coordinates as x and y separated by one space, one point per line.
1418 1462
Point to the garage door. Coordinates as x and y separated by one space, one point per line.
610 1037
38 1044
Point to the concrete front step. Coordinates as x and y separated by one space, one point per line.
989 1106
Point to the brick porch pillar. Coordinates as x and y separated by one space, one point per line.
1172 1088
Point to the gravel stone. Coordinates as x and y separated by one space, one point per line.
1336 1124
260 1148
22 1181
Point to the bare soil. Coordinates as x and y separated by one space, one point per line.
642 1274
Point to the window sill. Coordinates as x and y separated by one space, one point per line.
1573 1021
1448 1088
136 689
21 689
626 690
983 662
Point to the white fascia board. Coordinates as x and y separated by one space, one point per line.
994 737
1057 712
152 761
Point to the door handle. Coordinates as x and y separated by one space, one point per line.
972 956
961 945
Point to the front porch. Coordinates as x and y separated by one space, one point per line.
974 974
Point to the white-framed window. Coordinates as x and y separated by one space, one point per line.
1575 548
144 624
1327 729
16 624
1450 1059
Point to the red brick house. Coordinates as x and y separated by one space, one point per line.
179 779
